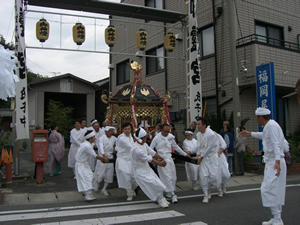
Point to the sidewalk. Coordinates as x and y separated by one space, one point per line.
62 188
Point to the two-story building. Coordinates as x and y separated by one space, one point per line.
263 32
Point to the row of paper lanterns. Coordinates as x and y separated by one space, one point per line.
42 34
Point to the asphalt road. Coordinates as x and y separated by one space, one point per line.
241 205
58 183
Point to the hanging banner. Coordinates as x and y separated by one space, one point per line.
194 88
265 91
21 86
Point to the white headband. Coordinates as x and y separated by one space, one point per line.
188 132
107 128
262 111
142 133
94 121
90 135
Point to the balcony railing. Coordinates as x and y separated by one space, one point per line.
259 39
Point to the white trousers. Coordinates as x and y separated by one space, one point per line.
276 212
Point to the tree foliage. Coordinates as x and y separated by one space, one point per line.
6 45
4 138
61 116
216 120
294 142
34 76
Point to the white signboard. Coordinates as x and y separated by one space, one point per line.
66 85
193 64
21 86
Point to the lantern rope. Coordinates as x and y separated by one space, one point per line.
57 21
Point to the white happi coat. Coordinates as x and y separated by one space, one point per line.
76 139
84 174
272 187
105 171
190 169
145 177
124 170
223 161
163 146
209 168
98 134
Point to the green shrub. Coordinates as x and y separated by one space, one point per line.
4 140
248 157
294 141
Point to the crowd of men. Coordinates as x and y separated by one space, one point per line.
92 159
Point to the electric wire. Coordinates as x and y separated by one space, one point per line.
215 89
38 65
9 23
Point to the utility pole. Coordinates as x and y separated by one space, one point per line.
233 35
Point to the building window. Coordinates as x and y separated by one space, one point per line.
211 105
206 39
123 72
270 34
154 3
154 64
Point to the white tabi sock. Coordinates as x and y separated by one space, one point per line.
129 192
194 183
88 192
160 198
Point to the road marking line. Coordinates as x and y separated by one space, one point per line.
30 216
122 219
118 203
232 192
194 223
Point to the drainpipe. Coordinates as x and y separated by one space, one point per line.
110 85
165 60
216 60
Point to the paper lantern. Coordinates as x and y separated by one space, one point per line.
78 33
110 36
141 39
42 30
170 42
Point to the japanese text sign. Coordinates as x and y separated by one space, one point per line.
265 90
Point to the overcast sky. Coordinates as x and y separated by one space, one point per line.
89 66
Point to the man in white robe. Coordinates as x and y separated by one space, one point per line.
273 185
223 163
191 169
98 133
76 138
103 125
124 170
105 171
194 129
207 154
163 143
148 181
83 125
84 174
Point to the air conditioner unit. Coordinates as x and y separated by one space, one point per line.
179 36
111 66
